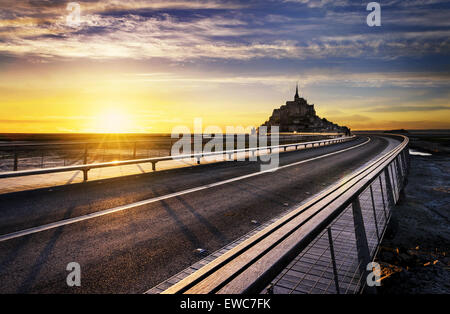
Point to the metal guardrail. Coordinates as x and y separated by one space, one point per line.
74 151
85 168
324 246
85 147
12 145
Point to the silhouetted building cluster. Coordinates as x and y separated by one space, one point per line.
299 116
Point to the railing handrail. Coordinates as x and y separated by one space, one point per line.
13 145
249 266
154 160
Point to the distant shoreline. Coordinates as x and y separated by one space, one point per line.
18 137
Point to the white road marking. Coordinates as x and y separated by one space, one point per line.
69 221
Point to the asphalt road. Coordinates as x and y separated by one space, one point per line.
132 250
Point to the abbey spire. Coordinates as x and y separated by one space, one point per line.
296 93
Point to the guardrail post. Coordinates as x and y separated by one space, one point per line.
16 160
382 197
408 160
399 169
333 260
405 163
85 174
85 154
389 190
395 180
154 165
361 243
402 158
198 160
374 213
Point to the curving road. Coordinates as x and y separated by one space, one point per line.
131 250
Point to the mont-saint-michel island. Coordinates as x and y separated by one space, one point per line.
298 116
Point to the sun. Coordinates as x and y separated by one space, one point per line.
114 121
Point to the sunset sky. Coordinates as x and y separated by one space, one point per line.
147 66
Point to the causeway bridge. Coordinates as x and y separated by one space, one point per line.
312 225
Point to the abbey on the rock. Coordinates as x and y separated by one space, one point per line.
299 116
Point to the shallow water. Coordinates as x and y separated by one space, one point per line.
417 153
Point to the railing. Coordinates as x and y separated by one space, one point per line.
55 152
153 161
324 246
76 151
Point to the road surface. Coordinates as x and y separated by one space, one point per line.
131 250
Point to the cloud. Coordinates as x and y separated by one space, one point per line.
320 3
398 124
146 29
350 118
412 86
44 120
409 108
